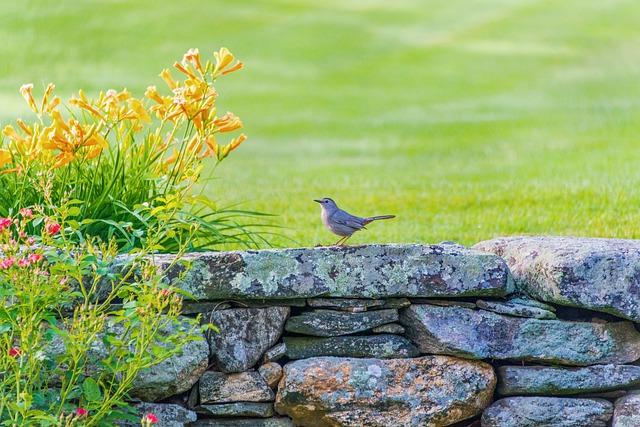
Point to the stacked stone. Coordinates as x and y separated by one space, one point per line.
589 384
514 332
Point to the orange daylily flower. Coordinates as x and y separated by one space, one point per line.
186 69
193 56
5 157
166 76
229 122
138 110
47 106
237 141
25 91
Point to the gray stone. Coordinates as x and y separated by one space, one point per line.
274 353
549 381
357 304
237 409
597 274
531 303
391 328
627 411
331 323
480 334
271 372
271 302
514 309
609 395
372 271
244 335
378 346
174 375
218 387
443 302
547 412
427 391
168 414
244 422
196 307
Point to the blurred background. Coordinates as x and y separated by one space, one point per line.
466 119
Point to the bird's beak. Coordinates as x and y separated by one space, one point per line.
317 200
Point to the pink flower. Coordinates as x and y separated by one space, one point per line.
15 352
23 262
30 241
4 223
150 419
7 262
81 411
35 257
165 292
51 228
26 212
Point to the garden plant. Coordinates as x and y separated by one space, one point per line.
118 158
78 188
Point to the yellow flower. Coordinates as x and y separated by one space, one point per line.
166 76
138 110
236 142
229 122
193 56
5 157
27 148
223 59
152 93
212 147
11 133
72 139
25 91
47 105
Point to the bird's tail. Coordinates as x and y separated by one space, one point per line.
375 218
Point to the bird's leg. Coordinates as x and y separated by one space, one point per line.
344 239
341 241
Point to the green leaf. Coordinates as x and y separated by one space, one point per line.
74 211
91 390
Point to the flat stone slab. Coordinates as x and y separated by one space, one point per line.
274 353
218 387
547 412
515 309
391 328
550 381
480 334
383 346
243 422
358 304
427 391
371 271
592 273
237 409
332 323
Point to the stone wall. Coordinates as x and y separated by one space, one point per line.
518 331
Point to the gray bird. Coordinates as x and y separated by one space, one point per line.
343 223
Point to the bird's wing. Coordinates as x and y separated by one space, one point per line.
344 218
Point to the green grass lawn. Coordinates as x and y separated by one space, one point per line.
468 120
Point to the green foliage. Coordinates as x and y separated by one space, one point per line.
74 331
121 168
